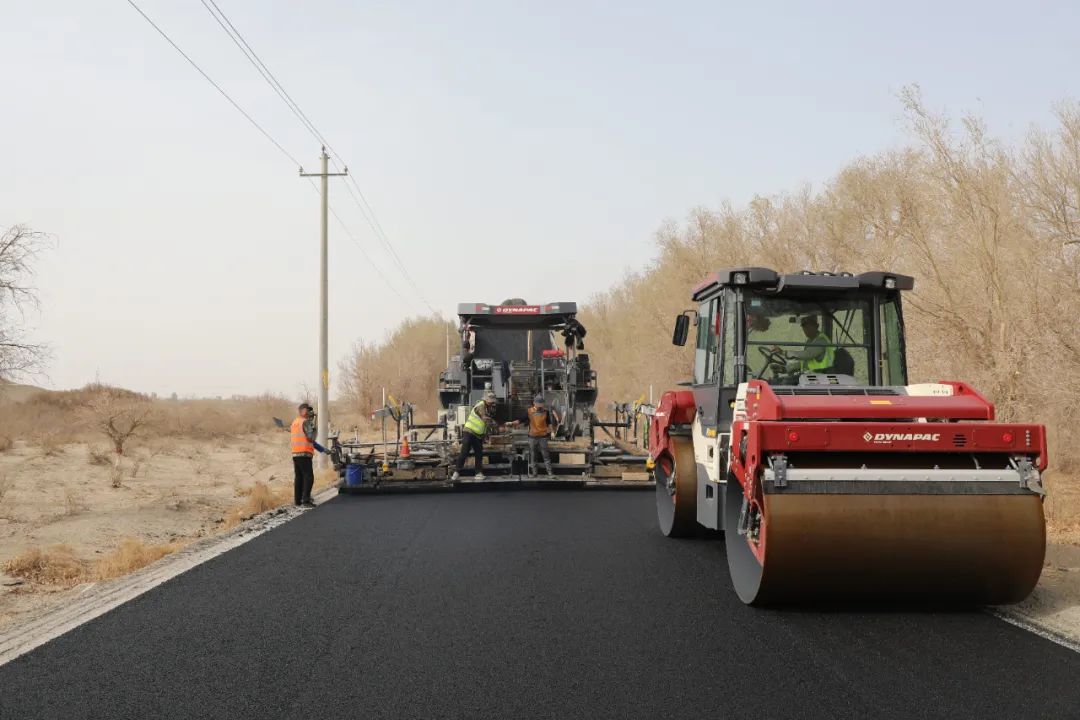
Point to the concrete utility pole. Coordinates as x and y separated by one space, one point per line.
323 409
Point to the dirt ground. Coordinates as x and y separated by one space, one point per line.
171 491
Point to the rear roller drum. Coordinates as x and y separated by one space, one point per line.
676 490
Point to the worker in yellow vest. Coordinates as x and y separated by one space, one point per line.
480 422
303 449
817 354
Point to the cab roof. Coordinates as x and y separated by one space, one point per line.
517 316
805 281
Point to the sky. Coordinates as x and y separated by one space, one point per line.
508 149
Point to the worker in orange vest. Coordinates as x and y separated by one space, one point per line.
303 449
542 424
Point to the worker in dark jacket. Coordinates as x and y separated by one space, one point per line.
303 448
542 423
480 422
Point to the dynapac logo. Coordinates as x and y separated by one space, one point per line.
517 310
900 437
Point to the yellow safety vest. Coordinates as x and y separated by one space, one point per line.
826 360
475 424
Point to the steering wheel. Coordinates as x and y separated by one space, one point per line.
771 358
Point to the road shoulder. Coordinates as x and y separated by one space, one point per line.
95 599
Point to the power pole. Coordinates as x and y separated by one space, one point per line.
323 410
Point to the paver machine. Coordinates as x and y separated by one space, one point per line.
831 477
517 351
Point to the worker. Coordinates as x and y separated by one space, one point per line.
818 352
480 422
303 448
542 423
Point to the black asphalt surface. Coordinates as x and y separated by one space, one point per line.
546 604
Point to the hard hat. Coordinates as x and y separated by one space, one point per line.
538 400
490 397
305 405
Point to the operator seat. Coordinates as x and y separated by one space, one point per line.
843 363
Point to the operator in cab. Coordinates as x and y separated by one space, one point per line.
817 353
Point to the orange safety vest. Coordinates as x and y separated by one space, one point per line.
539 422
300 443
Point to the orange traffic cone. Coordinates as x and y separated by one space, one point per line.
405 452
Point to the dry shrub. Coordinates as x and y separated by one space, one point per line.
222 419
99 456
119 414
6 443
73 502
57 565
260 498
6 484
54 565
51 442
131 555
407 363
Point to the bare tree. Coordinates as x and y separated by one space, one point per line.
119 415
19 247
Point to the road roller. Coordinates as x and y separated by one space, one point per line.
829 476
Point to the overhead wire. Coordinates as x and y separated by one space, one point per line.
256 62
279 146
378 272
355 192
217 87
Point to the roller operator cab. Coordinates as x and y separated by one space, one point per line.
830 476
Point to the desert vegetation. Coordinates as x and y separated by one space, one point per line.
100 481
407 363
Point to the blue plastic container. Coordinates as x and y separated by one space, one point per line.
354 475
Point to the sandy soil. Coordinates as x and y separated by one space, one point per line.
1055 604
172 490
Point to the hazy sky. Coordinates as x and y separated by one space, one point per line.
508 148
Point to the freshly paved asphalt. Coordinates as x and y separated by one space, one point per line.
553 604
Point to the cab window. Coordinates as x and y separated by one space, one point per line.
728 379
892 349
705 355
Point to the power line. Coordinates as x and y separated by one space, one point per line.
358 197
217 87
268 136
256 62
374 265
376 227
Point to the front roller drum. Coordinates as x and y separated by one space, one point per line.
676 489
977 549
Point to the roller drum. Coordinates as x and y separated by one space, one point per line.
676 489
981 549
